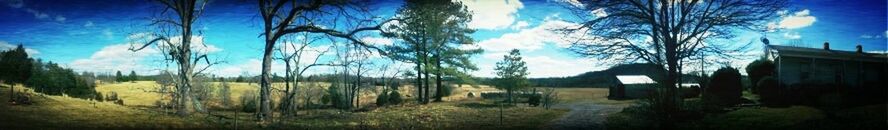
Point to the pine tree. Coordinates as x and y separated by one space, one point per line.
119 77
15 67
132 76
512 73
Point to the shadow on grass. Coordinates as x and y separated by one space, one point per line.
483 105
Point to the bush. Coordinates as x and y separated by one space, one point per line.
395 98
769 93
335 98
758 70
534 100
21 99
470 95
382 99
99 97
249 101
112 96
549 97
446 90
119 102
724 89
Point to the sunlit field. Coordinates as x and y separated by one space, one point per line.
139 111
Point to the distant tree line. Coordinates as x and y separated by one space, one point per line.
44 77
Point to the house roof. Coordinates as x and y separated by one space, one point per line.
635 79
827 54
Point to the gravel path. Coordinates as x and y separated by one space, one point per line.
583 116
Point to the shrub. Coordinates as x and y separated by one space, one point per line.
769 93
112 96
335 98
21 99
225 94
534 99
249 101
446 90
119 102
395 98
549 97
724 89
99 97
758 70
382 99
470 95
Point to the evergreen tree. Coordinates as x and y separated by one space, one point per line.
132 76
15 67
512 73
119 77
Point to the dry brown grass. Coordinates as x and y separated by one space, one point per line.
593 95
61 112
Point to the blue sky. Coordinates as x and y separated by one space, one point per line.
92 35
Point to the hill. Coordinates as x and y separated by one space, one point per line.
601 78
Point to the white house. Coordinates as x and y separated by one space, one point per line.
827 66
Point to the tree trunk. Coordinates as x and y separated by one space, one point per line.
418 82
427 87
509 91
265 82
285 100
185 74
439 93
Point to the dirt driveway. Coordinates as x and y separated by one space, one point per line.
584 116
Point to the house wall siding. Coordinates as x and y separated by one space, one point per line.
794 70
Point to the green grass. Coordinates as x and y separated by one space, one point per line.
764 118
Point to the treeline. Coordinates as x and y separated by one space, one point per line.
605 78
44 77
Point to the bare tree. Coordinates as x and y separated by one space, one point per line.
295 56
177 18
283 17
664 32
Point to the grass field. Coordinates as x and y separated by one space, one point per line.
457 112
592 95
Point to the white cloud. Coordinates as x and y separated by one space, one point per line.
115 57
37 14
118 56
197 42
89 24
575 3
599 13
6 46
251 67
492 14
531 39
377 40
520 25
796 20
60 18
543 66
792 35
15 3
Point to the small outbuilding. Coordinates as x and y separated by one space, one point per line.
631 86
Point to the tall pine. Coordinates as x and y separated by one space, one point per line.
511 73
